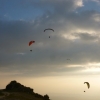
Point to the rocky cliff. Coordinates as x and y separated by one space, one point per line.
17 91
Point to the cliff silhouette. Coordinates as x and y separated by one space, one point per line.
17 91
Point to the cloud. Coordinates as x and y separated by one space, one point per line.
98 1
20 53
74 38
87 37
64 5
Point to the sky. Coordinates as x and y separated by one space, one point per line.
46 69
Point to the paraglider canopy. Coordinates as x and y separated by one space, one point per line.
68 59
88 85
31 42
48 29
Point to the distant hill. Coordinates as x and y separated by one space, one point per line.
17 91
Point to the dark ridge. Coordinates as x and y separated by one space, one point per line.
14 86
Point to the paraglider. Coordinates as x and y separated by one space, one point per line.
48 29
68 59
30 43
88 85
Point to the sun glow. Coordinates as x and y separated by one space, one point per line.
93 70
92 67
88 68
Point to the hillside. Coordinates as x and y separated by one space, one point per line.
17 91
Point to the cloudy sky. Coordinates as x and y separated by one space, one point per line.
76 37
